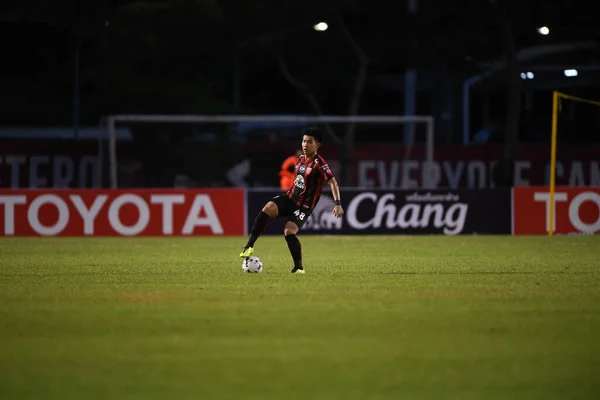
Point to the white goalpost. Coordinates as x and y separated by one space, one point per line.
109 124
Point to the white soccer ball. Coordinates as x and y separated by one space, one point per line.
252 264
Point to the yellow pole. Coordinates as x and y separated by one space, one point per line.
555 96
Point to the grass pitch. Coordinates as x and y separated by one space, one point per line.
380 317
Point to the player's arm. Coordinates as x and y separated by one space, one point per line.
338 211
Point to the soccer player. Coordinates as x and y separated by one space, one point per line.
297 203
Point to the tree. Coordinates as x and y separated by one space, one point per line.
504 173
126 55
345 144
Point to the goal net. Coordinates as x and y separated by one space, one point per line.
248 150
574 160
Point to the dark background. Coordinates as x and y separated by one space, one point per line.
68 63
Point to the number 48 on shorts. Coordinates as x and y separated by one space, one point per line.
300 215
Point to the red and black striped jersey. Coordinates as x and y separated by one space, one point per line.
311 176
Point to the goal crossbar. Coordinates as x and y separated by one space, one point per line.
111 121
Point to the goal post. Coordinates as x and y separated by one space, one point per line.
557 96
109 124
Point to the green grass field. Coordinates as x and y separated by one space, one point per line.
380 317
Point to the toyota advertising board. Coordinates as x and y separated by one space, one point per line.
577 210
142 212
486 211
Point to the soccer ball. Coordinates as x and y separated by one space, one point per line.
252 264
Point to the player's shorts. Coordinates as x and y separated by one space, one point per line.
288 209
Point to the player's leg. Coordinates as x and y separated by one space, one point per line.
297 218
270 210
290 232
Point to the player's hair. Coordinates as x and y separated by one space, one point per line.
314 132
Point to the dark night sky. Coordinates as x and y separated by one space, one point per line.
177 56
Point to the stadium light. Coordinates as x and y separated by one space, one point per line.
570 72
527 75
544 30
320 27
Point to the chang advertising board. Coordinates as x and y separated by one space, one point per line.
402 212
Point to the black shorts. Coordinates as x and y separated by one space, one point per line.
288 209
